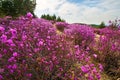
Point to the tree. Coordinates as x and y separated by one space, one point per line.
58 19
53 17
43 16
102 25
48 17
16 8
8 7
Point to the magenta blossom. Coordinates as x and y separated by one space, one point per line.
15 54
29 15
3 38
2 29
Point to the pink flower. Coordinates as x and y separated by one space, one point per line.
100 67
3 38
95 56
30 55
24 37
10 41
29 75
91 65
94 70
48 37
98 76
29 15
14 66
11 59
14 32
61 69
1 77
84 69
90 77
15 54
11 71
40 43
2 29
76 46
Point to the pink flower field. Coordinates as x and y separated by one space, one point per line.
39 49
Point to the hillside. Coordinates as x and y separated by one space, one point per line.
38 49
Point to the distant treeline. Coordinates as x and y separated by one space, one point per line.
101 25
52 17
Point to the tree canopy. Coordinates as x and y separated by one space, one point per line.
16 8
52 17
102 25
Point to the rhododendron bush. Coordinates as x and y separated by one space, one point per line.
108 51
31 49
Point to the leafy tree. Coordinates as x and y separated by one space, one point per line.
17 7
58 19
53 17
49 17
43 16
8 7
102 25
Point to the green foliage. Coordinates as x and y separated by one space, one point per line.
53 17
58 19
95 25
16 8
102 25
8 7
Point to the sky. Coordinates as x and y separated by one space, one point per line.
80 11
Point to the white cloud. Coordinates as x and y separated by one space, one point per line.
89 11
47 6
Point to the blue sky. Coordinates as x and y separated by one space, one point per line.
80 11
